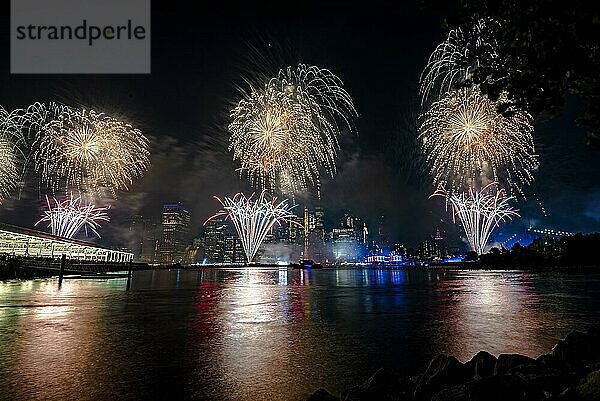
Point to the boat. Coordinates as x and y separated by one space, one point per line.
307 264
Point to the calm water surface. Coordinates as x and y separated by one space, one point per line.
269 334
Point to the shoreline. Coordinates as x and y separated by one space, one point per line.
10 271
570 372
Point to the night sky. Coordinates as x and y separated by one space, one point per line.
201 55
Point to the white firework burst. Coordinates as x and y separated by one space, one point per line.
253 219
285 134
88 151
480 212
467 142
68 217
465 52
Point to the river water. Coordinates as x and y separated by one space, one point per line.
250 334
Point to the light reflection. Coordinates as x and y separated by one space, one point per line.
282 276
489 304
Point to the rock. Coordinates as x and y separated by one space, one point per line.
589 389
322 395
568 394
508 362
594 332
551 382
454 393
546 360
574 351
366 394
481 365
382 378
443 372
390 384
498 388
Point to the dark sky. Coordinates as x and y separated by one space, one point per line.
201 53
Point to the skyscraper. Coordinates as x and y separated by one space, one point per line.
150 239
214 235
175 228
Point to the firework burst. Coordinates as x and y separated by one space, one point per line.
285 134
253 218
68 217
480 212
466 142
14 132
89 151
456 60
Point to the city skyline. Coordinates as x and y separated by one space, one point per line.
379 170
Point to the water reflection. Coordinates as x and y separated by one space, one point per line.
262 334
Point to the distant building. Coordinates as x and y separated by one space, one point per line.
382 234
135 230
175 229
433 248
142 238
150 237
233 251
344 244
296 231
214 241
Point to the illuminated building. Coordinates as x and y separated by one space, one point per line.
233 251
296 231
345 246
20 241
149 242
432 248
314 234
142 238
175 228
214 241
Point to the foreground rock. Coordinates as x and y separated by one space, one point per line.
570 373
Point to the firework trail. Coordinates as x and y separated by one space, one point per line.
466 142
88 151
66 218
480 212
454 62
253 219
285 134
14 150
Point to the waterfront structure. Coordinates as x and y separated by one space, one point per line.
24 242
175 228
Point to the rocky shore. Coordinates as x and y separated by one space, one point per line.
570 372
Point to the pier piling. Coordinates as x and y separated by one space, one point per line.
63 261
129 274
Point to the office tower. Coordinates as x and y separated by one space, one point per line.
214 235
175 228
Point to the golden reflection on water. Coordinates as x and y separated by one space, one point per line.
269 334
499 306
50 343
